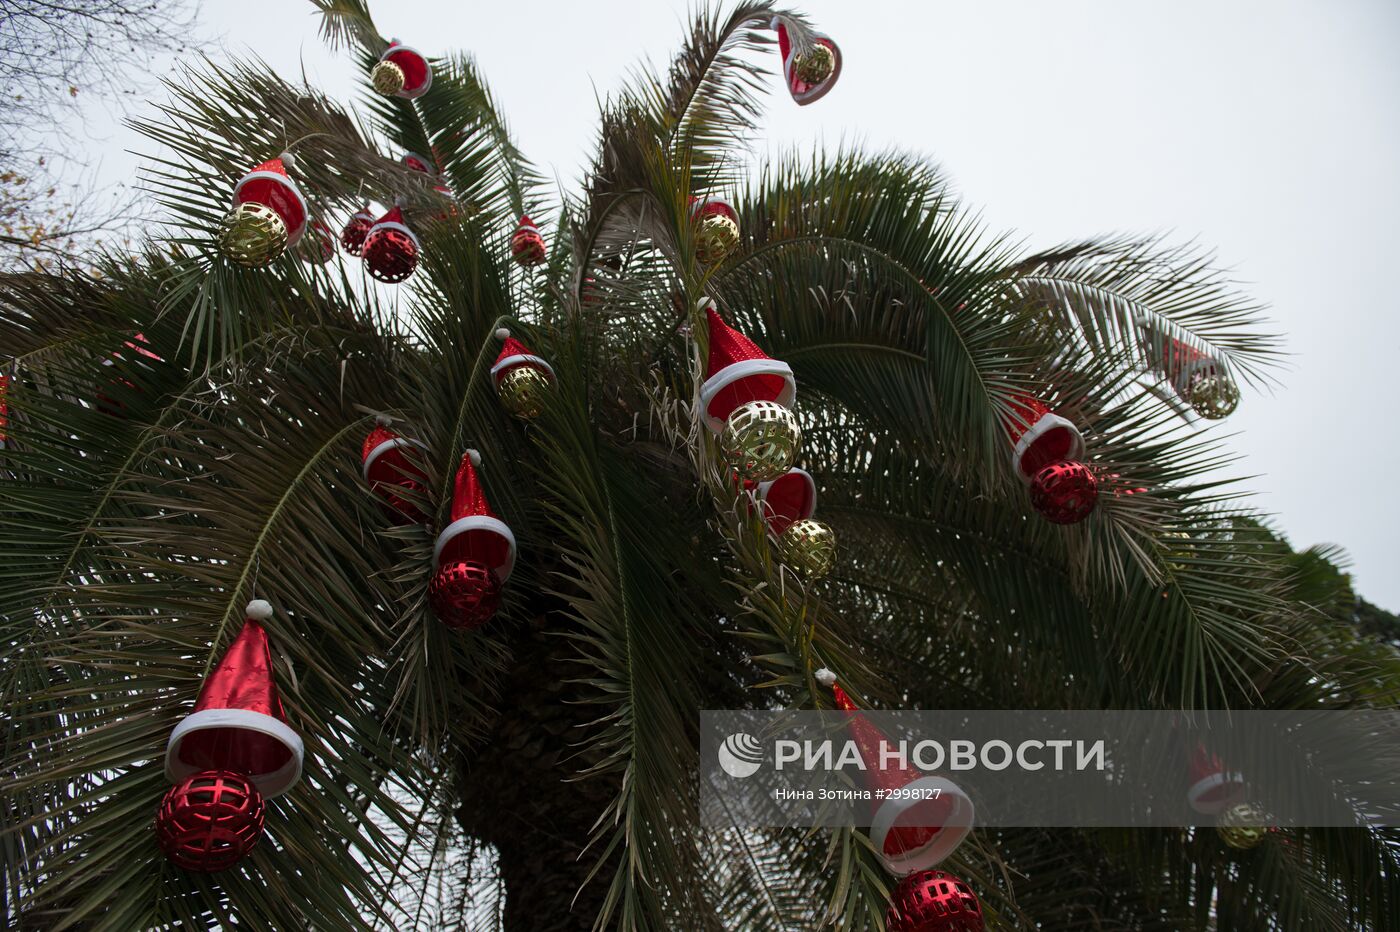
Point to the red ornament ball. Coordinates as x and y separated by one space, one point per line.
933 901
390 255
352 238
464 594
209 821
527 247
1064 493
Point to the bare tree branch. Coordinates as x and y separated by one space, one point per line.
55 58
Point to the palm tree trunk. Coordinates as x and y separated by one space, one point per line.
518 795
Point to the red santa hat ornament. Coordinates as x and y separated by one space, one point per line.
913 829
738 372
391 250
745 398
475 532
527 245
1213 789
402 71
523 380
418 163
812 74
473 556
787 499
804 544
1198 379
1039 436
269 214
716 228
389 465
786 505
238 723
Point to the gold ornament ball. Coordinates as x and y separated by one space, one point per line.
523 391
760 440
1242 827
387 78
808 546
1214 396
717 237
815 66
253 235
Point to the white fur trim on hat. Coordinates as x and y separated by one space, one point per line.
701 203
1040 428
1195 795
269 784
519 359
763 487
954 830
292 235
395 46
738 370
392 443
478 523
390 225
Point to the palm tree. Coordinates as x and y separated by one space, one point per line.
540 772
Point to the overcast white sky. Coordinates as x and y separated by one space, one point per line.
1268 129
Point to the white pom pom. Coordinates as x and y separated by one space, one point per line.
289 161
475 457
825 677
503 334
383 420
705 304
258 610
